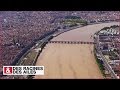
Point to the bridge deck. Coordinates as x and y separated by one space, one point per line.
71 42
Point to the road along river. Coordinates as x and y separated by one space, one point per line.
72 61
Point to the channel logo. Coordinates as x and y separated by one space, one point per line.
23 70
7 70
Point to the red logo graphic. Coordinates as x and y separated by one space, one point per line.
7 70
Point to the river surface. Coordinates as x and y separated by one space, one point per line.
72 61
